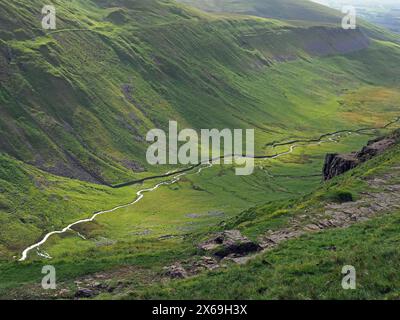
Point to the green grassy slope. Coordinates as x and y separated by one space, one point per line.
303 269
32 201
133 244
308 267
78 101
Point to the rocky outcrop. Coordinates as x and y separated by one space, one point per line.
375 148
337 164
230 242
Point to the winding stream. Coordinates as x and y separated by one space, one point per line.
139 197
177 175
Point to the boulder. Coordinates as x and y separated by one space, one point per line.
229 242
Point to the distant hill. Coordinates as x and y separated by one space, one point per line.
277 9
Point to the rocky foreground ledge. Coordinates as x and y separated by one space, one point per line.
337 164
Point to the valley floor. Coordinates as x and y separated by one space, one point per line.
125 254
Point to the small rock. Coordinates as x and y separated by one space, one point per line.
175 271
207 263
84 293
99 285
64 292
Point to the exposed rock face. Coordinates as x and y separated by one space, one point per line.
337 164
375 148
229 242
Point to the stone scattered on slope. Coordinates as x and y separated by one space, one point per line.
232 246
175 271
205 263
229 242
384 200
84 293
184 269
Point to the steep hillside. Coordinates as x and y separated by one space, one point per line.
78 101
302 10
32 201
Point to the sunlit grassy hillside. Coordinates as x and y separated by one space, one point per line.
79 100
